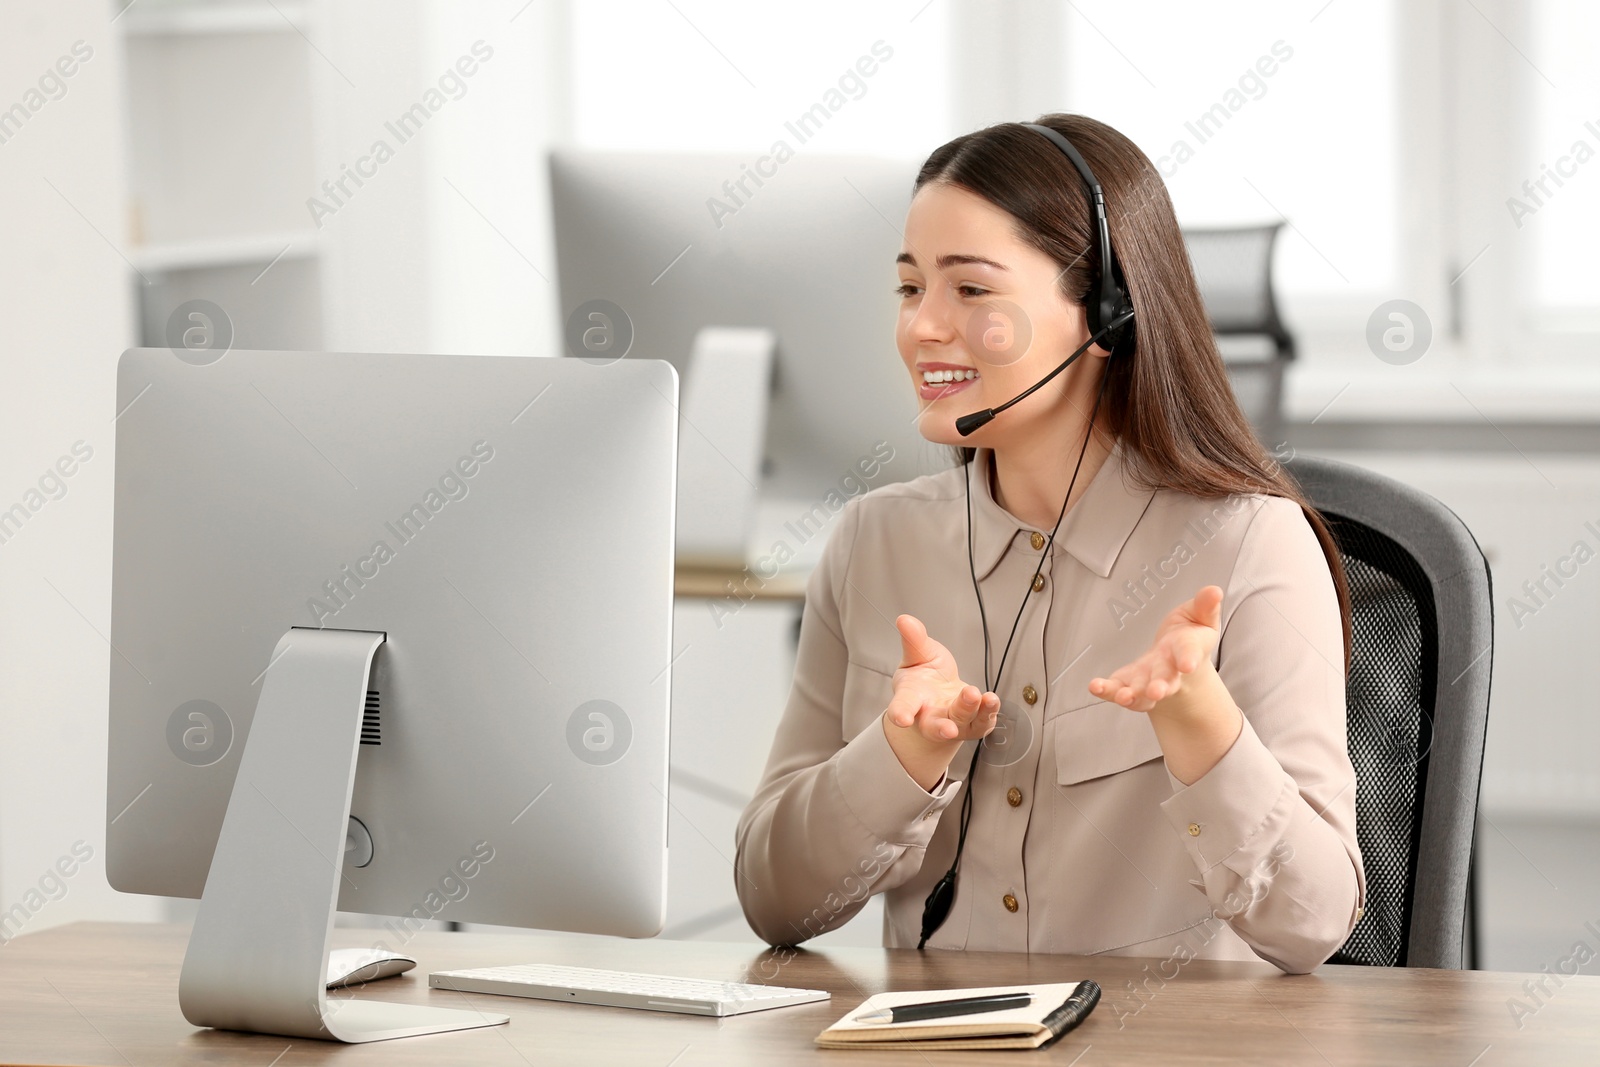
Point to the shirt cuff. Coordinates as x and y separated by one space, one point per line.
1223 811
883 797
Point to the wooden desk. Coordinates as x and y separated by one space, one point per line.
105 993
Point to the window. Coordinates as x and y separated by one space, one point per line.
1255 111
1556 210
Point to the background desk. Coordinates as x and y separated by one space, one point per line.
106 993
716 583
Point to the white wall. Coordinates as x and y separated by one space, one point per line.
67 316
448 248
375 252
491 268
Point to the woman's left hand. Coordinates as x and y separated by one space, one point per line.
1185 640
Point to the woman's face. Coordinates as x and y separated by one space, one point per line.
981 313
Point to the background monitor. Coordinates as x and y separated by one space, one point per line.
682 242
506 522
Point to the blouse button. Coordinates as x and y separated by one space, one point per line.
1009 901
1030 694
1014 796
1194 829
1037 541
1038 582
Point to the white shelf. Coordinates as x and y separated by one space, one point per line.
145 19
226 251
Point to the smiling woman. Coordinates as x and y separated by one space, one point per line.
1052 330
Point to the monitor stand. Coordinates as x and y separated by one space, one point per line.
258 955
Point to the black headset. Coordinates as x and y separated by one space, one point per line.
1108 310
1110 315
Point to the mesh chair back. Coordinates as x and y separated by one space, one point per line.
1417 703
1389 696
1233 267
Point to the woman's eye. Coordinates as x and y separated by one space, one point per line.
971 290
906 289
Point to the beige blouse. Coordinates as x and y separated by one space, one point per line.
1080 840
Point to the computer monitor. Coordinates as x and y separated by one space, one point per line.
416 606
803 246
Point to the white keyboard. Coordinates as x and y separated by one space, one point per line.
623 989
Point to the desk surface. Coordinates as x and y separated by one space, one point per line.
105 993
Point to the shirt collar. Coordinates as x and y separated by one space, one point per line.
1093 531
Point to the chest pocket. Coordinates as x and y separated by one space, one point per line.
1101 738
867 692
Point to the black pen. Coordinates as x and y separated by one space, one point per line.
944 1009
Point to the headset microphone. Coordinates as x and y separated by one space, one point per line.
966 424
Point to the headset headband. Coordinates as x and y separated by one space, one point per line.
1107 298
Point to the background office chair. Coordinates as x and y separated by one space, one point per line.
1233 267
1417 703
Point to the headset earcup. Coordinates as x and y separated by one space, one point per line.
1111 305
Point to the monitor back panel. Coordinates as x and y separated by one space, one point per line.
507 522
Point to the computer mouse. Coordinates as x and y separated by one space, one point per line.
353 966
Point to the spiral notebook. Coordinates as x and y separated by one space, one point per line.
1053 1012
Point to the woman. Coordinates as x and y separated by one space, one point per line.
1115 631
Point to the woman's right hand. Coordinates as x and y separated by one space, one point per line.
933 711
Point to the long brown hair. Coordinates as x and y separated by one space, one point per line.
1167 395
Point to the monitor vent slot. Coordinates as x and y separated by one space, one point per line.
371 734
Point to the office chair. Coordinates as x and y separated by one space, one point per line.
1233 267
1417 706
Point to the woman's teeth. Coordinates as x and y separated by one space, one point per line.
934 377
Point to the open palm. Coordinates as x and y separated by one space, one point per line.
929 693
1185 640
